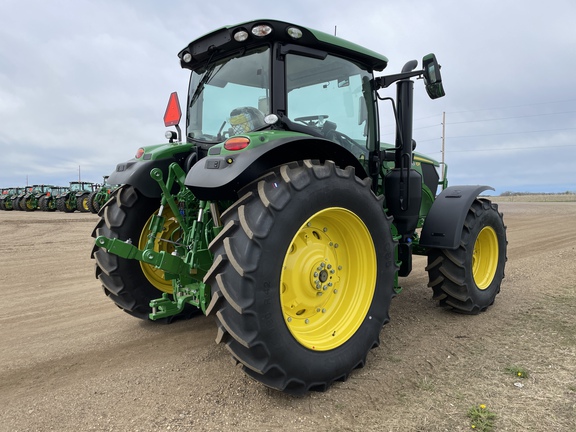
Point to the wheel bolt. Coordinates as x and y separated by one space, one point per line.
306 321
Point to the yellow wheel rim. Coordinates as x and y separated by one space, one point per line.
485 257
328 279
85 204
154 275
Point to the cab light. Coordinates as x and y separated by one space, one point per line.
294 33
240 35
236 143
139 153
261 30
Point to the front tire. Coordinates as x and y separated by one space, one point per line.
303 276
468 278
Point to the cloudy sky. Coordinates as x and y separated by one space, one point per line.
84 83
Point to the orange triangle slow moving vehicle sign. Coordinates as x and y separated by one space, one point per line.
173 113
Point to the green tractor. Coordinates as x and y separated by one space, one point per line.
75 198
281 213
7 198
31 200
4 194
48 201
19 197
98 197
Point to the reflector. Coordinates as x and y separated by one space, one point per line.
173 114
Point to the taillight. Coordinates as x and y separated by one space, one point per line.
237 143
139 153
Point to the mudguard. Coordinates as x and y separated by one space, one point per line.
221 176
443 225
137 174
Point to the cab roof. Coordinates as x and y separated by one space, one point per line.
222 41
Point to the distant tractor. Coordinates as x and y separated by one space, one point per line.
31 200
98 197
281 213
75 198
17 199
4 193
48 201
6 199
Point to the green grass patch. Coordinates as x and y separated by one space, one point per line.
517 371
481 418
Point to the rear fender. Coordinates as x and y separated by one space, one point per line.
137 173
443 225
221 176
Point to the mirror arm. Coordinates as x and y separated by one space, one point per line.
385 81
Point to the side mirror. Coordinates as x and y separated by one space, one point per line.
432 77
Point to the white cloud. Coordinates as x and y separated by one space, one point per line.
86 83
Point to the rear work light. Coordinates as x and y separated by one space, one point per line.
236 143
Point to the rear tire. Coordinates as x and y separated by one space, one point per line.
93 205
63 204
303 276
131 285
82 203
468 278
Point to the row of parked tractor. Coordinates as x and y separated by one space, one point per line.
78 196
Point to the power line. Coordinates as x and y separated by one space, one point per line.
508 118
512 133
509 148
512 106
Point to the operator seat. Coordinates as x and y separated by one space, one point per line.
246 119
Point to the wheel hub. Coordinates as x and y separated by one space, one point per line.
326 289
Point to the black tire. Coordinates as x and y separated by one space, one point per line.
469 278
28 204
258 267
51 204
2 207
93 205
43 203
63 204
129 284
82 203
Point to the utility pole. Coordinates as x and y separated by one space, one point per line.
78 173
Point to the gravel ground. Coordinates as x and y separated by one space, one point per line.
71 361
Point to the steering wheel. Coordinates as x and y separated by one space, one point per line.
312 120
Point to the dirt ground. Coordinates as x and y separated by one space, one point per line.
71 361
